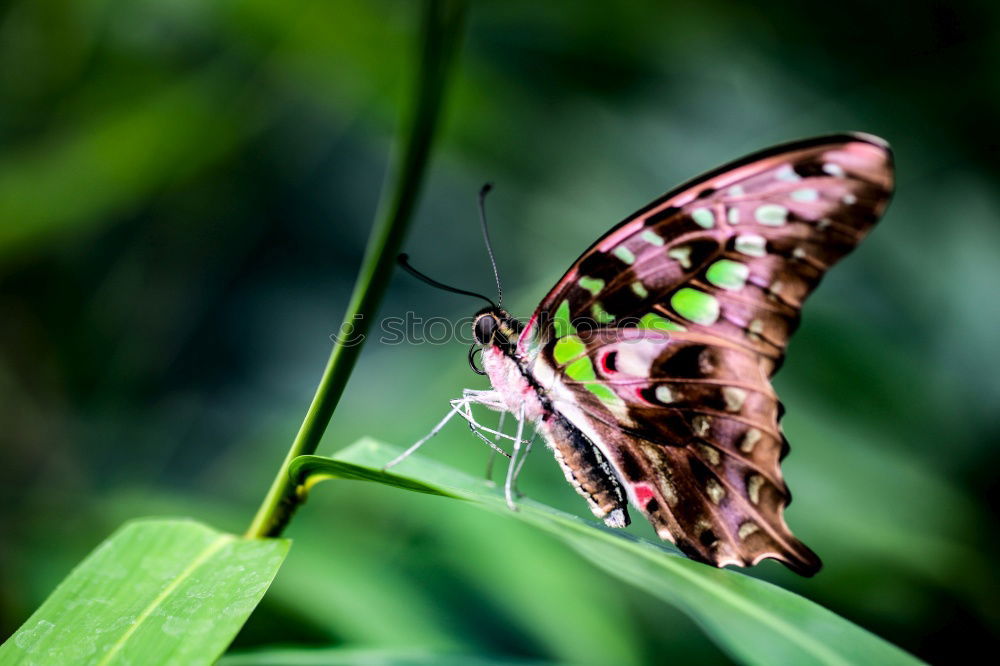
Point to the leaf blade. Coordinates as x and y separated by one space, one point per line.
155 591
754 621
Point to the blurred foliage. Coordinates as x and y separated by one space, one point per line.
185 191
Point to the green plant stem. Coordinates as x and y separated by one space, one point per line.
442 29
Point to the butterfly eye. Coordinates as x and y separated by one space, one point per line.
484 328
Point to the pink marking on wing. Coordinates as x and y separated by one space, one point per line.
605 366
643 493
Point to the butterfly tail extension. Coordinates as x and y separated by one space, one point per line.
802 560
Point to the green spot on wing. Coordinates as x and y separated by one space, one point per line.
624 254
601 315
703 217
593 285
805 194
696 306
603 392
728 274
568 348
581 370
652 237
562 322
773 215
654 322
639 290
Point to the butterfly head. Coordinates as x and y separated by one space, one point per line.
495 326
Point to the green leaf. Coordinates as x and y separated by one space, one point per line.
755 621
156 591
319 468
363 657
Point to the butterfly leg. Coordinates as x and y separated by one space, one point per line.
474 427
455 409
487 399
520 463
508 489
493 453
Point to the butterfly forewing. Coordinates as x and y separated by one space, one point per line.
659 342
735 253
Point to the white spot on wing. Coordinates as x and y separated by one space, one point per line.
734 397
682 255
710 454
753 487
787 174
746 529
750 440
751 245
635 357
715 491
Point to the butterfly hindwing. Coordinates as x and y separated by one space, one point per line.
691 424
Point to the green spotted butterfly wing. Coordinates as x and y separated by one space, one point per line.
660 341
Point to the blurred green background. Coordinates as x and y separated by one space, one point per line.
185 193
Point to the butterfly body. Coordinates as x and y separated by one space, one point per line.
647 367
525 393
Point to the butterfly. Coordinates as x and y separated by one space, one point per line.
647 368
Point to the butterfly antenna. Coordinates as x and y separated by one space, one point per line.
404 261
486 237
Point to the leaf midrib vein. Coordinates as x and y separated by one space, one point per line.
209 550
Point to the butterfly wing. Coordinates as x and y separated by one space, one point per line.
734 252
711 277
690 423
